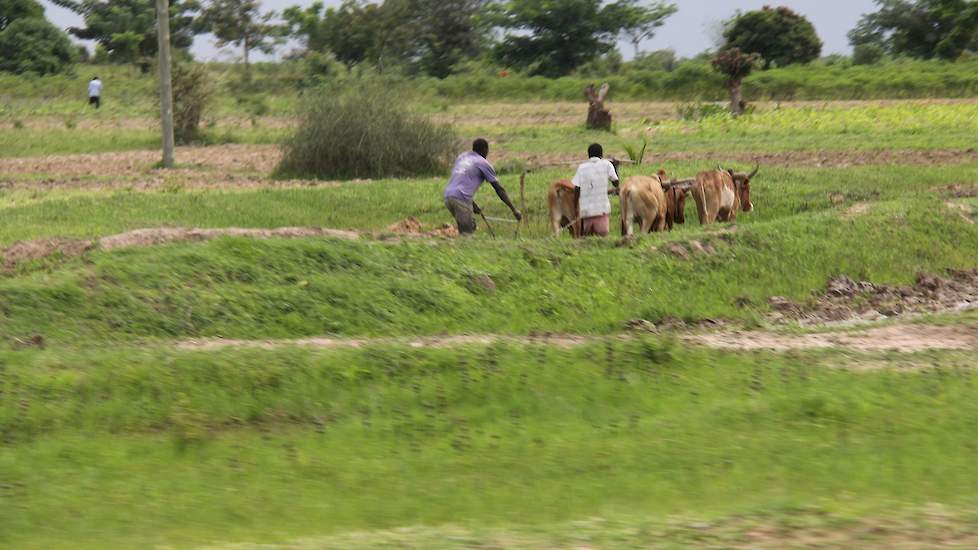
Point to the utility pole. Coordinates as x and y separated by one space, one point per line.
166 84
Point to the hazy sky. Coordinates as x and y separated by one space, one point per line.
689 32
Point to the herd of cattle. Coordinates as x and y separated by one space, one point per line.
657 203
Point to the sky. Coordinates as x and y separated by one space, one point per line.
688 32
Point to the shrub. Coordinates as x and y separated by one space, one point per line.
192 91
867 54
34 45
366 131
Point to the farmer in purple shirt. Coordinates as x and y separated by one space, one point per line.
471 169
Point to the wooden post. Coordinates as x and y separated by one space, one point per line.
526 220
166 84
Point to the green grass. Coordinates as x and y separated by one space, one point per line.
114 437
778 192
147 447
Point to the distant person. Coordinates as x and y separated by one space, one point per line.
95 92
471 169
591 187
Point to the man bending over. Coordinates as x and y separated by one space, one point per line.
591 183
471 169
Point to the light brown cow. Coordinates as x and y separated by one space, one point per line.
564 208
643 200
719 194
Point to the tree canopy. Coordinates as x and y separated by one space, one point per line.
126 29
779 35
427 36
29 42
554 37
920 28
12 10
639 20
239 23
34 45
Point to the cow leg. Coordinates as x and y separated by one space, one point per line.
646 226
660 224
556 222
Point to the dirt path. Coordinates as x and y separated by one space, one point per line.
900 338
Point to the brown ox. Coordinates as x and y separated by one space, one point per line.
719 194
675 202
564 209
644 201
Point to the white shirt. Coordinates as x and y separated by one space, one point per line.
593 177
95 88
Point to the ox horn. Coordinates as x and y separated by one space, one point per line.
757 168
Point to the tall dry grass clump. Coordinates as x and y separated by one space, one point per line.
364 132
192 93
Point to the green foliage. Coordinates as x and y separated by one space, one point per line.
364 132
867 54
779 36
34 45
12 10
258 445
239 23
735 64
192 92
126 29
920 28
640 20
429 37
636 152
554 37
699 111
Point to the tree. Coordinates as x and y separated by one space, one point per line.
554 37
450 31
126 29
12 10
920 28
240 23
427 36
736 65
33 45
640 21
779 35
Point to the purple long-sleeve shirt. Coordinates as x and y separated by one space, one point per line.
467 176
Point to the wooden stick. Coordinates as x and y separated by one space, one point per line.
523 197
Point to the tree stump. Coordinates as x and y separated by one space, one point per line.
598 117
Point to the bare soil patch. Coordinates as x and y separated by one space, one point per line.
901 338
25 251
960 190
559 340
166 235
236 158
794 159
413 227
846 300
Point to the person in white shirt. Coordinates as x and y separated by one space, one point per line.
95 92
591 186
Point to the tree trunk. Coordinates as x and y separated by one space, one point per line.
598 117
247 66
736 98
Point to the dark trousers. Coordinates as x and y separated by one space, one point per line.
95 100
463 213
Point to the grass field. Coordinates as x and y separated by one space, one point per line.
125 422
